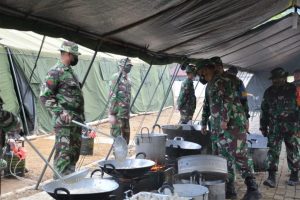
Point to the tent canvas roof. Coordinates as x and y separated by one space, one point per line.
158 31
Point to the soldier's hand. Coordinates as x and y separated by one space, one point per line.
224 125
112 119
66 117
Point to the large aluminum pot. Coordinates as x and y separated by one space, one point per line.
192 191
191 133
216 189
258 151
152 144
211 167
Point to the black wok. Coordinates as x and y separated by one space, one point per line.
128 169
86 188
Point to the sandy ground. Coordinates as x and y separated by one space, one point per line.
44 144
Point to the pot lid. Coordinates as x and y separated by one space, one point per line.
183 144
151 135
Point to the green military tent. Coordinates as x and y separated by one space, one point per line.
95 89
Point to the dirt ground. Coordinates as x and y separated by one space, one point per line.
34 163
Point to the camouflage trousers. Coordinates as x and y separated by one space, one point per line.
234 148
185 116
122 127
67 149
292 144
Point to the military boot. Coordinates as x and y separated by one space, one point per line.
271 181
252 192
230 191
294 179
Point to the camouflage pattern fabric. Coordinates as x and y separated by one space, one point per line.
121 127
67 149
280 117
8 121
186 101
61 92
225 106
120 96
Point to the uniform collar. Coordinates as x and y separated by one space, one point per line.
65 67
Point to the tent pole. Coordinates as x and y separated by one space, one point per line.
91 63
24 116
149 104
168 91
138 92
35 65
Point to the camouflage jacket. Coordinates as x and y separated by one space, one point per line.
8 121
61 91
241 94
241 91
120 95
279 110
225 105
187 99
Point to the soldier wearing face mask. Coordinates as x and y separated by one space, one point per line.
62 96
279 121
120 95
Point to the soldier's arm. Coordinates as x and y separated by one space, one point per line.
244 99
48 92
113 96
264 114
181 101
8 121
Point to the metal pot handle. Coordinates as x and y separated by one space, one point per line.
62 189
178 138
109 167
250 142
156 125
128 194
161 190
112 196
141 153
148 133
196 177
97 170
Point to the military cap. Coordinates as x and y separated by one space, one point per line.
70 47
190 69
204 63
216 60
278 73
232 70
124 61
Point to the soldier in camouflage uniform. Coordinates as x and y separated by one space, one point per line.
120 95
228 125
8 122
61 94
186 102
279 121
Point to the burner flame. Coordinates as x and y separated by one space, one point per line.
157 167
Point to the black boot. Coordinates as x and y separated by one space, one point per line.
294 179
252 192
271 181
230 191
